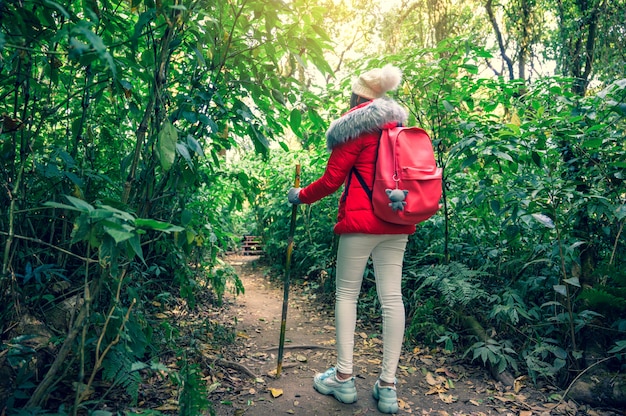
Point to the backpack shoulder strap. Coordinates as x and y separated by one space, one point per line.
354 171
359 177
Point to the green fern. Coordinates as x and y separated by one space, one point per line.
193 395
608 297
117 368
424 326
455 282
607 301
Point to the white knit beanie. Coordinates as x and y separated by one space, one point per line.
376 82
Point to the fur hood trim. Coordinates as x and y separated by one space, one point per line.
364 119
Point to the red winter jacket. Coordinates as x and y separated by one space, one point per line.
353 141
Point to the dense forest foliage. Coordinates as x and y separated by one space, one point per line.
140 139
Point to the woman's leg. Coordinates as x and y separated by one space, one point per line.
352 255
387 257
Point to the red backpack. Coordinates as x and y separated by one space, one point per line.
407 182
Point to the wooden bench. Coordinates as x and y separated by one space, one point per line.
251 246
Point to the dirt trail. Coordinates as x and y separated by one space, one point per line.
430 382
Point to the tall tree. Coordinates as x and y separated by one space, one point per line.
589 40
517 26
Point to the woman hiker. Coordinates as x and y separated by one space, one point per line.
353 142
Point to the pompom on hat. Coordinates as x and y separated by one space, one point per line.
376 82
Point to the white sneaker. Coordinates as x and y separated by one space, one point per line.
328 383
387 397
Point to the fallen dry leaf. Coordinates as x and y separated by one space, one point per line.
447 372
518 384
505 399
447 398
426 360
436 390
434 381
167 407
276 392
213 387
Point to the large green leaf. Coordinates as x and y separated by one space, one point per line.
168 137
78 204
543 220
295 120
135 243
157 225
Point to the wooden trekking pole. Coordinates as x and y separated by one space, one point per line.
283 322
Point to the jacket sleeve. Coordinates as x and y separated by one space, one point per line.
338 167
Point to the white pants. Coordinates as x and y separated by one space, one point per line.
387 253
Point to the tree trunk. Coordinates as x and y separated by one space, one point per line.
498 33
582 54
